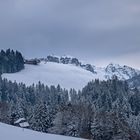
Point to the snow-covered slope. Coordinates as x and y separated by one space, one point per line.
8 132
68 76
69 73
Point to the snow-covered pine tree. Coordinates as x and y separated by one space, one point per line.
40 120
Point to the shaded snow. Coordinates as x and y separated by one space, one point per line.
8 132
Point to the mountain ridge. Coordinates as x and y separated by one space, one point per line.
123 72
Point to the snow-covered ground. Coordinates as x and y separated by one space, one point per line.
8 132
68 76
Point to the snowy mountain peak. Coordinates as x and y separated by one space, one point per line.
112 68
67 56
122 72
113 65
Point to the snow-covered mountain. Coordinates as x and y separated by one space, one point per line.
122 72
134 82
69 72
8 132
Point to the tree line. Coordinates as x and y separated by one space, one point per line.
11 61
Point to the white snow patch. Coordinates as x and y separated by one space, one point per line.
8 132
24 124
19 120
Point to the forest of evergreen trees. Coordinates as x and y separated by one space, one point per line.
11 61
103 110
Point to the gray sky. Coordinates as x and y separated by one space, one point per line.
98 31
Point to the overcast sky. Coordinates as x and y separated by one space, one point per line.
98 31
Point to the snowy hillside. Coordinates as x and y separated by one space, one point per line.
69 73
8 132
68 76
